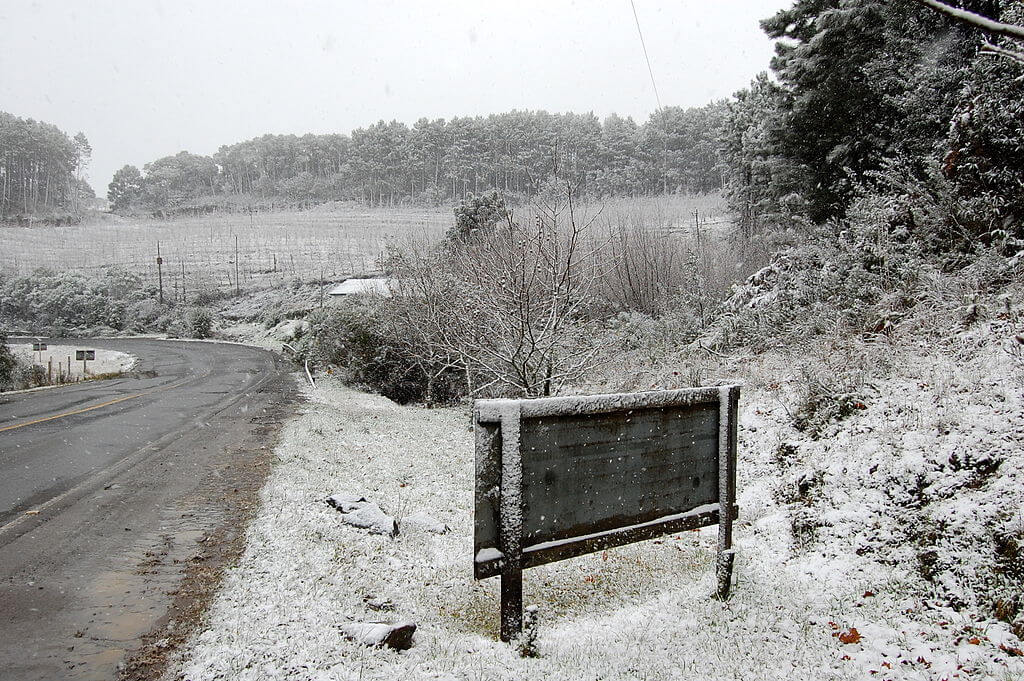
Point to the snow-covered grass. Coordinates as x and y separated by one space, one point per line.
829 542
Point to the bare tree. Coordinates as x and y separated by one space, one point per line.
507 305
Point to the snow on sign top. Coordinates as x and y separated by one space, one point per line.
561 477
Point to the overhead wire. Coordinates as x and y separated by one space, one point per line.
646 57
657 98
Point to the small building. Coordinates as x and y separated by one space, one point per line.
351 287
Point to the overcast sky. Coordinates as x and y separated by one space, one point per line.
144 79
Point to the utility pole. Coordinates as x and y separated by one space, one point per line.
238 291
183 281
160 271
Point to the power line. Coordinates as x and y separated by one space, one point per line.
648 59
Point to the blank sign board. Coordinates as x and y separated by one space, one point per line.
560 477
590 473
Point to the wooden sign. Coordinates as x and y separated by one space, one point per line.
565 476
85 354
38 347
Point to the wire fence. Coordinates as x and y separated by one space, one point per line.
222 251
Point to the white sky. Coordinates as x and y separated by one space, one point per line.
144 79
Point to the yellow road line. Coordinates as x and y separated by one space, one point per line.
71 413
95 406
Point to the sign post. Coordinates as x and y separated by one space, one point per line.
566 476
85 356
160 271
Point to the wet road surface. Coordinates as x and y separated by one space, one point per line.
109 488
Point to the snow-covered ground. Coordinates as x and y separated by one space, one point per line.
847 601
106 362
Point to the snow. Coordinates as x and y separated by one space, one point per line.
355 510
493 410
913 460
700 510
487 555
384 287
424 522
289 330
106 362
511 516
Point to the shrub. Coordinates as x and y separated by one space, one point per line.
46 300
199 321
855 278
206 297
8 364
478 214
361 337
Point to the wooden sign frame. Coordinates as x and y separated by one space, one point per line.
539 495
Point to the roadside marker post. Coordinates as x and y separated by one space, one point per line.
561 477
84 356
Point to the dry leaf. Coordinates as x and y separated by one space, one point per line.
851 636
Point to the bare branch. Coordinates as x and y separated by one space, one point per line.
970 18
997 51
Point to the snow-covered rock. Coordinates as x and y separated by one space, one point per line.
355 510
289 329
397 636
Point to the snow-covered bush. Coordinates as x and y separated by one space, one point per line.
200 322
57 302
364 339
853 279
8 364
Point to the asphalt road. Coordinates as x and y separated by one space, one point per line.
108 488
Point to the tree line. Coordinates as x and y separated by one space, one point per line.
439 161
41 168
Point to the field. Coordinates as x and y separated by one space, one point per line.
332 242
272 247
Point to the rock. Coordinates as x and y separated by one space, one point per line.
355 510
397 636
422 521
378 603
346 501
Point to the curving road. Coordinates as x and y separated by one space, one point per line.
109 488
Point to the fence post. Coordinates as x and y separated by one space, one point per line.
511 530
728 412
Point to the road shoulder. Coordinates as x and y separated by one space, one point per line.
217 548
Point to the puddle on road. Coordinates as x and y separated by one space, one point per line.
126 603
